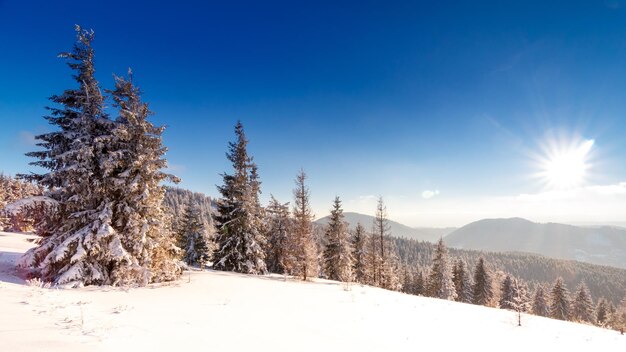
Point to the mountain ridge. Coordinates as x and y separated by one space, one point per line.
429 234
604 245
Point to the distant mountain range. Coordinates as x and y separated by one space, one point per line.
430 234
604 245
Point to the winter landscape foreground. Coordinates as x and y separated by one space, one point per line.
213 311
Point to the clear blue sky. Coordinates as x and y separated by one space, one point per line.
440 107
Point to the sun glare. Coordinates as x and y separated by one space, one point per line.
565 166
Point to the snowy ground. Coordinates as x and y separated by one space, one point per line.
216 311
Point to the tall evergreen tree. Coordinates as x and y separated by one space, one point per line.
337 255
239 238
559 301
506 293
301 247
419 286
481 291
279 227
582 305
408 279
373 260
540 305
602 312
520 301
194 239
462 283
134 175
359 243
440 284
86 239
380 230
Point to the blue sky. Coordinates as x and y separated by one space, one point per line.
443 109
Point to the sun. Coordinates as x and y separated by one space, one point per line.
565 165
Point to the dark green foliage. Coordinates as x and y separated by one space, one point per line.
337 255
440 283
582 306
506 293
602 312
540 303
239 237
278 229
481 291
193 238
559 301
462 282
359 266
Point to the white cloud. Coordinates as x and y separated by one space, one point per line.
427 194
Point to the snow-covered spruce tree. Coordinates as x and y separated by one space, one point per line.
278 229
407 279
540 303
582 305
506 293
559 301
617 316
372 260
419 286
602 312
380 230
359 243
482 292
80 246
239 237
462 282
440 284
337 256
391 268
133 174
520 301
301 247
194 238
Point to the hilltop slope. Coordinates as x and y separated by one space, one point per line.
213 311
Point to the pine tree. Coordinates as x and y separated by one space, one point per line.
408 279
82 245
582 306
602 312
419 287
559 301
278 229
134 175
239 238
540 304
520 302
506 293
359 243
481 291
391 268
379 232
440 284
373 260
301 247
337 255
462 283
194 239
